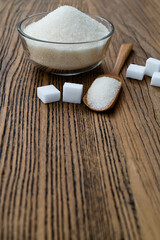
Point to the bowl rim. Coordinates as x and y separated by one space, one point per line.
45 41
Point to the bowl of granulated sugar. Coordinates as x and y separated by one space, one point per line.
65 41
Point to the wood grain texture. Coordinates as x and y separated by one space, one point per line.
67 172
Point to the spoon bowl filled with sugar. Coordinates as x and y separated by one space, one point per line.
104 91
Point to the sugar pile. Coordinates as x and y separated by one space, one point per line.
102 92
66 24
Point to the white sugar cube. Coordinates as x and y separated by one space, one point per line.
155 80
152 65
48 94
135 71
72 92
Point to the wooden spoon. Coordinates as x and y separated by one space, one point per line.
123 53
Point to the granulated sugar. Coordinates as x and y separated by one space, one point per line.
66 24
102 92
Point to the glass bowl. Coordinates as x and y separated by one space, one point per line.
64 58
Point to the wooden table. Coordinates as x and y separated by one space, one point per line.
67 172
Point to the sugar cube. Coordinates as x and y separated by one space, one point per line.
72 92
48 94
155 80
135 71
152 65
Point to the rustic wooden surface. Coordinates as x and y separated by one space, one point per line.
65 171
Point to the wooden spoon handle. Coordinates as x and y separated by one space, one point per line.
123 53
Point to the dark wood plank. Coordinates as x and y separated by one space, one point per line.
67 172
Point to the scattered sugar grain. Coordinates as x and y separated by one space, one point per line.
102 92
66 24
152 65
48 94
155 80
72 92
135 71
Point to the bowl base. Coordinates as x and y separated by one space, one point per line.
67 73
